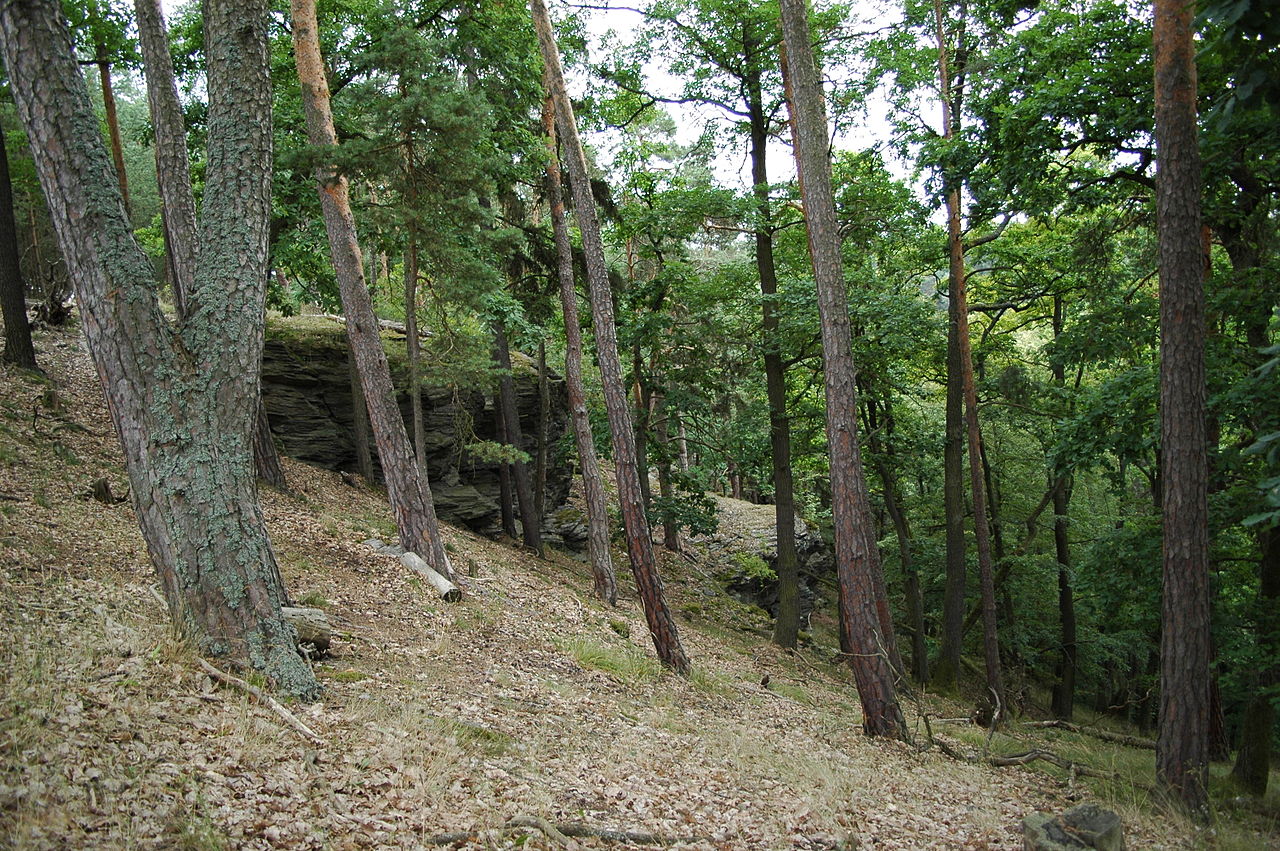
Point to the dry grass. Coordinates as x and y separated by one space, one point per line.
527 698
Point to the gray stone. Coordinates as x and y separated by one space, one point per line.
1085 826
306 390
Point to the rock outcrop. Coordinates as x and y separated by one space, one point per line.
306 390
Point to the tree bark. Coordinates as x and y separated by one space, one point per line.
182 400
1253 761
530 523
173 166
407 488
413 342
598 552
113 123
359 420
13 291
964 353
857 559
787 627
1182 757
644 566
953 600
1064 693
544 419
670 528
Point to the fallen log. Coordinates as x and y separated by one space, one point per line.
446 589
312 626
1104 735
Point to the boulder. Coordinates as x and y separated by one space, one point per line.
306 390
1085 826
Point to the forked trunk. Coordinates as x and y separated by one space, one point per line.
183 400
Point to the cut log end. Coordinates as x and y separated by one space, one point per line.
448 592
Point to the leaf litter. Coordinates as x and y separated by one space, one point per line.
487 722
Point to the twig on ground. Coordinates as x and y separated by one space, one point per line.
576 830
252 690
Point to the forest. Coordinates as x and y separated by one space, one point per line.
976 300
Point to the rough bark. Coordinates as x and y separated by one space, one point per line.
13 291
857 559
1182 754
644 566
266 460
953 600
598 553
406 484
530 523
182 399
661 430
173 166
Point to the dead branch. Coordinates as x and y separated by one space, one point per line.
1104 735
262 697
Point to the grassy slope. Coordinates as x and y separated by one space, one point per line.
526 699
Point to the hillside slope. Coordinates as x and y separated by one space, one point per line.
527 699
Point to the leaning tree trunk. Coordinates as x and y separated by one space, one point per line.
182 400
406 484
598 553
13 292
857 560
1182 756
662 626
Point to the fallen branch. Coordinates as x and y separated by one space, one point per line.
446 589
1104 735
262 697
576 830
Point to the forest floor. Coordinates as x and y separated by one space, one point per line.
478 725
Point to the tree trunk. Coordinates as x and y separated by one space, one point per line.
182 400
506 496
13 292
1253 762
530 523
644 566
957 293
544 420
407 488
173 166
266 459
113 123
898 516
787 626
947 670
606 584
1064 692
1182 757
670 528
359 421
857 559
412 339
